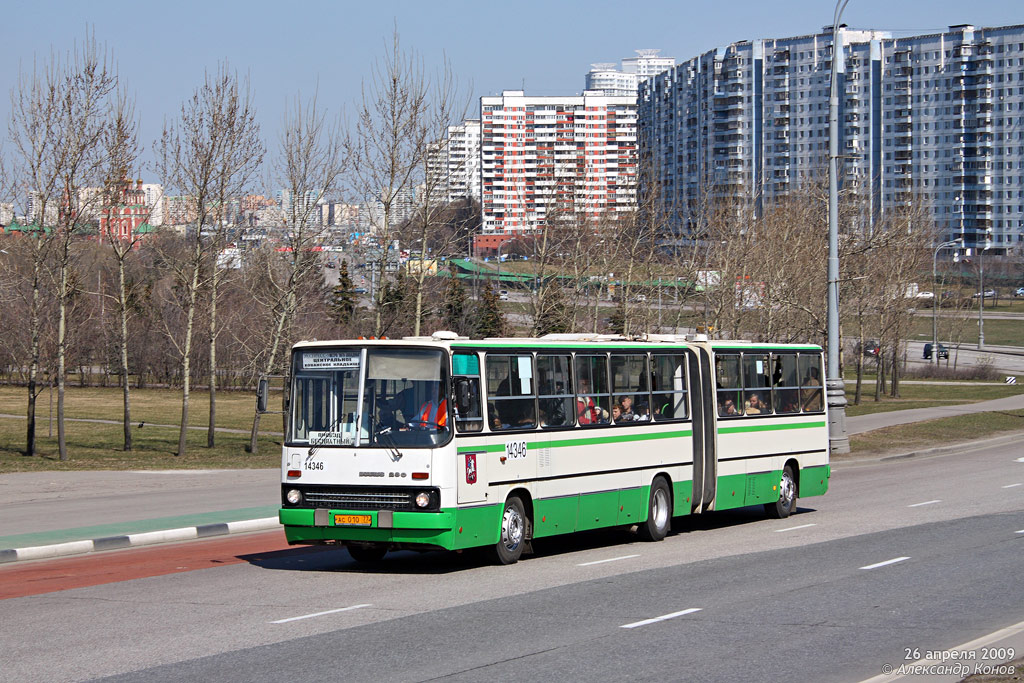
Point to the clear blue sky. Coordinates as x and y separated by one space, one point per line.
163 48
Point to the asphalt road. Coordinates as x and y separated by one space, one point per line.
797 598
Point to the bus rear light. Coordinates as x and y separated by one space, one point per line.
420 475
294 474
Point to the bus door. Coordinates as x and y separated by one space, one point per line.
702 406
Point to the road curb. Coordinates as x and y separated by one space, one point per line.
41 552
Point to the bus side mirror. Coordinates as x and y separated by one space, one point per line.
261 395
462 395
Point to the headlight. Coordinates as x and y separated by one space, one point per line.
294 496
422 499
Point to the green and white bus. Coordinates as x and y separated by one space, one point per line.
448 442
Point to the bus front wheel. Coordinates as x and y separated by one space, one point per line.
786 503
510 544
659 512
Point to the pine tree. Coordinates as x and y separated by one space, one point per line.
489 320
343 303
553 316
455 305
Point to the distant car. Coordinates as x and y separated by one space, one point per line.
359 290
1019 292
943 351
988 294
926 295
503 297
872 349
641 298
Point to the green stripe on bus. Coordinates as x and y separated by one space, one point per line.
770 428
585 441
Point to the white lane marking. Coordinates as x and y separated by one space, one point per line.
1020 532
610 559
793 528
1010 486
927 502
318 614
1019 460
882 564
977 644
663 617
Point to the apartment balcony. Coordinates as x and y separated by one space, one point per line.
904 142
902 113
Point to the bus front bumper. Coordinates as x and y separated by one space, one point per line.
324 526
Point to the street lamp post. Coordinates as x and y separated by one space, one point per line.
835 388
981 299
935 298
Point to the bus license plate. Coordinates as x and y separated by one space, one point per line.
353 520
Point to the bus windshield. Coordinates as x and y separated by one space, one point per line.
400 394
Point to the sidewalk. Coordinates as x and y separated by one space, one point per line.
53 514
867 423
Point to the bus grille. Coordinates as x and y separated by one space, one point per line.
359 500
358 497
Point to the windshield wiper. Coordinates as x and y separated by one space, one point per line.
384 436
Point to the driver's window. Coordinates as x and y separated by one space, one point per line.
466 372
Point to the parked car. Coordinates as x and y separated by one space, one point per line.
988 294
926 295
943 351
1019 292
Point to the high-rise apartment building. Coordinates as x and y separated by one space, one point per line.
606 78
539 154
933 120
462 161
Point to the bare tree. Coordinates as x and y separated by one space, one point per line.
209 154
60 114
308 166
445 105
392 136
122 153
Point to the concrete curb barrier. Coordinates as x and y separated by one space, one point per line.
42 552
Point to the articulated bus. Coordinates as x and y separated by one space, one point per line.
446 442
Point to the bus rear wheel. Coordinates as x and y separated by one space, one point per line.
367 552
512 539
659 512
786 503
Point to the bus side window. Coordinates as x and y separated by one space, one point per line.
668 387
554 391
469 415
592 396
810 382
757 399
631 400
510 392
729 386
785 383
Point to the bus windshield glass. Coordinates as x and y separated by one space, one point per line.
403 402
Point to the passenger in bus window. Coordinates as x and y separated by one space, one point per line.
617 414
643 413
586 411
753 405
626 404
728 407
